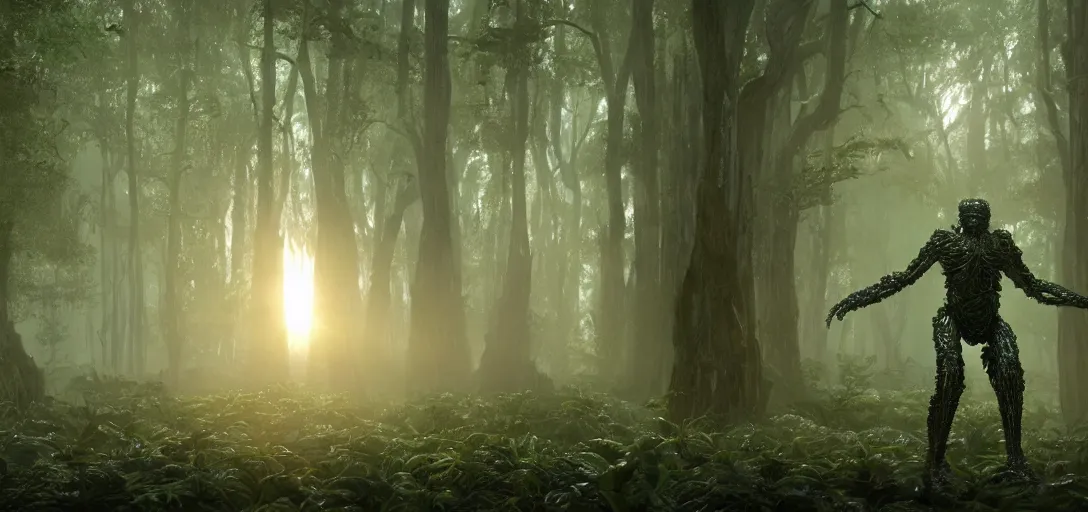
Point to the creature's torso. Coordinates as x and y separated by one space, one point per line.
972 269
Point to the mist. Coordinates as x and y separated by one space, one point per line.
531 255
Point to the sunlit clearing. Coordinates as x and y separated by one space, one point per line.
298 296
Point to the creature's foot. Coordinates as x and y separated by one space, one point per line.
938 479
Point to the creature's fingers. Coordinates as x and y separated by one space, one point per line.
831 315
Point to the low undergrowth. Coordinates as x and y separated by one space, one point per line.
133 447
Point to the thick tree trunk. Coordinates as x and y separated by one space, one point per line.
1073 323
21 382
645 376
717 367
678 178
438 358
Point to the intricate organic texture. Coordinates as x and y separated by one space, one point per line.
972 258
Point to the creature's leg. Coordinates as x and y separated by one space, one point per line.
942 406
1001 358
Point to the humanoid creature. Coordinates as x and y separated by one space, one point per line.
972 258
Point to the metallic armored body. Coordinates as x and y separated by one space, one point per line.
972 258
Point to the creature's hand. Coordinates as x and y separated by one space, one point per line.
839 311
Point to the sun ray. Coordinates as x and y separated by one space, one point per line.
298 296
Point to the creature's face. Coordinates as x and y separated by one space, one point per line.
974 216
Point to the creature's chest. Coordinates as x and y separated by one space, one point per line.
972 262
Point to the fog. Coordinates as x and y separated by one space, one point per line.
647 208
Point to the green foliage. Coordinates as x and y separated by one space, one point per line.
132 447
851 159
54 266
44 43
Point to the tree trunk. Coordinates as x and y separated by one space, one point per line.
7 250
976 134
337 298
1073 323
238 231
569 273
645 377
117 338
172 303
136 342
105 237
783 348
717 367
287 166
21 382
506 365
813 330
755 108
679 173
267 343
815 337
610 330
438 358
377 345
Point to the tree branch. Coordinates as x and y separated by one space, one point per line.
594 40
867 7
828 109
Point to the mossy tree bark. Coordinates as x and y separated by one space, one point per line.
717 367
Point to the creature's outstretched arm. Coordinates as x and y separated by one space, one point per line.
1042 291
891 284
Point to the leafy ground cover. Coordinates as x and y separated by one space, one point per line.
129 446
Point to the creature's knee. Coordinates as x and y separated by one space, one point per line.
1007 372
950 375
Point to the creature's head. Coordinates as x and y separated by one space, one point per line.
974 216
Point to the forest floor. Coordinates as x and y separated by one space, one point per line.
132 447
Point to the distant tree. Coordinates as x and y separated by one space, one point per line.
38 42
437 347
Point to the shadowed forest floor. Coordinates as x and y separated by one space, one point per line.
132 447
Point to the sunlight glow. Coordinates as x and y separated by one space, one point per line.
298 295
